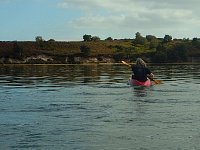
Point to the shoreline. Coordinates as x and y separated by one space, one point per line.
85 64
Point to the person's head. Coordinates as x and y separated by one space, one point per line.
140 63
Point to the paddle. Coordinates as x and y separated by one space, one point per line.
126 63
155 81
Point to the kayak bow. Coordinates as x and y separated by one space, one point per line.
134 82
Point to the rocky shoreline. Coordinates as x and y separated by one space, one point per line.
44 59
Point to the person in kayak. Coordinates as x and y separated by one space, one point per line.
140 71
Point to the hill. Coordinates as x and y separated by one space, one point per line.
150 48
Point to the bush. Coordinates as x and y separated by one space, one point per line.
85 50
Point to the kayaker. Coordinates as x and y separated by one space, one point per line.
140 71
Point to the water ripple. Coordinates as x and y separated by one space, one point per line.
67 107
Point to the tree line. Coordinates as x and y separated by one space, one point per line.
158 50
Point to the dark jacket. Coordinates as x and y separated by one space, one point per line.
140 73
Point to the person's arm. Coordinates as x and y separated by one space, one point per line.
150 75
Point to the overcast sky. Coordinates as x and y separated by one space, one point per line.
69 20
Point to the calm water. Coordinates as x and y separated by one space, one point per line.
91 107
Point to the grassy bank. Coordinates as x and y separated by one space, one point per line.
152 50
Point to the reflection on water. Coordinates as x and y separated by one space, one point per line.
92 107
30 75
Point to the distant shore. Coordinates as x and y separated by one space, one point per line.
153 50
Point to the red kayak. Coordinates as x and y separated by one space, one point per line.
134 82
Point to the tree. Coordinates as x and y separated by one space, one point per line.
153 41
39 39
150 38
196 42
109 39
137 35
51 40
87 37
167 38
139 39
95 38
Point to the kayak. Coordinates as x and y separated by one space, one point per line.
134 82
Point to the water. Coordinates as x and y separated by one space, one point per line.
91 107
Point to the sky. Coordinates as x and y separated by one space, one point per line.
69 20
